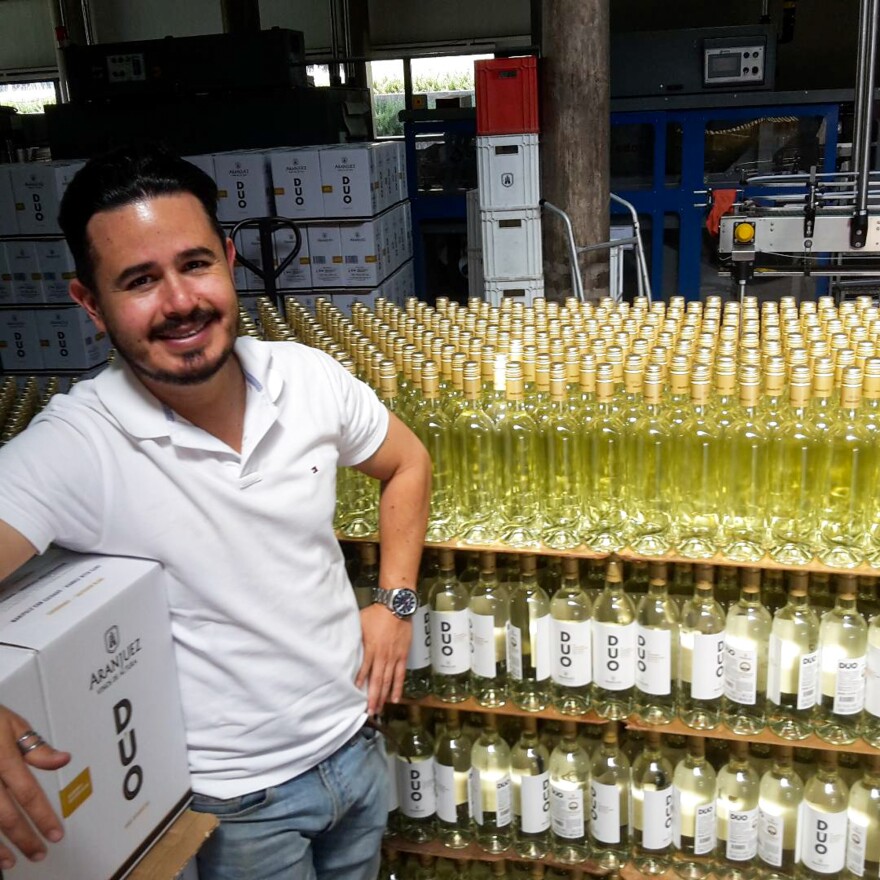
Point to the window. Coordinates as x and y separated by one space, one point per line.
28 97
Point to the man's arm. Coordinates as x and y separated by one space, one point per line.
403 466
23 806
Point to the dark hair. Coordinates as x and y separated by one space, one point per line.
120 177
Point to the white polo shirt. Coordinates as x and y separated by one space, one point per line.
265 624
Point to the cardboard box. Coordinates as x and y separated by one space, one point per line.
243 186
37 188
69 339
5 276
325 252
204 161
364 252
8 219
27 284
86 657
57 269
350 180
296 181
19 341
298 274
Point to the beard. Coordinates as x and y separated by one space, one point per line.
196 368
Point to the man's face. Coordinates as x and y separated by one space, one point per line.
163 288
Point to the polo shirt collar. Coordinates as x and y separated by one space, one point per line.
141 415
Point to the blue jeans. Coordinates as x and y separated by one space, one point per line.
327 823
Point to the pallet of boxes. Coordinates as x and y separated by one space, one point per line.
504 214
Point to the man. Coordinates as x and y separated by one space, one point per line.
217 456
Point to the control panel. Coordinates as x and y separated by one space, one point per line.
729 62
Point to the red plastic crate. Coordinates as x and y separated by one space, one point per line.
507 95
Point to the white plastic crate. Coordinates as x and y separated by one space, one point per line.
508 171
512 243
524 290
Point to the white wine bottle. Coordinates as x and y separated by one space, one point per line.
736 809
417 681
701 659
652 805
843 642
571 658
793 664
489 613
779 802
452 764
528 641
746 635
610 780
415 780
823 823
863 824
530 774
657 643
489 790
368 574
693 816
614 643
569 791
450 633
871 732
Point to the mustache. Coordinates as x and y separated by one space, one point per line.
198 315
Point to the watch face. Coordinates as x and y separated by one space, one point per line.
404 603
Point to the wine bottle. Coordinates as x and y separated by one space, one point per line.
528 641
823 825
843 641
736 808
530 774
450 633
489 789
652 800
779 800
614 642
701 659
610 781
367 576
863 824
746 635
571 652
569 781
793 664
489 613
415 780
693 825
871 732
657 643
452 764
417 681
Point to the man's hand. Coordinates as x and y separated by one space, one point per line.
386 644
23 805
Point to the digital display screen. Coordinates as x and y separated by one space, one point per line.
724 65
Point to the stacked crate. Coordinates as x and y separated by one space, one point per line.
509 181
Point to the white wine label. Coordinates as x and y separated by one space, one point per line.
856 846
514 652
653 661
540 629
704 826
534 794
567 810
490 793
450 786
823 840
740 674
872 681
614 648
771 835
450 642
742 835
707 672
849 686
774 670
690 820
393 799
420 647
657 818
605 812
808 680
571 655
415 787
483 645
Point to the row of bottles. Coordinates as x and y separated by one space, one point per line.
742 433
570 804
400 866
20 400
645 655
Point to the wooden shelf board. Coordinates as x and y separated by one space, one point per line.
508 709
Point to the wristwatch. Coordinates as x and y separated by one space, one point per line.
402 602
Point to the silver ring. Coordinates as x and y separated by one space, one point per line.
24 746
